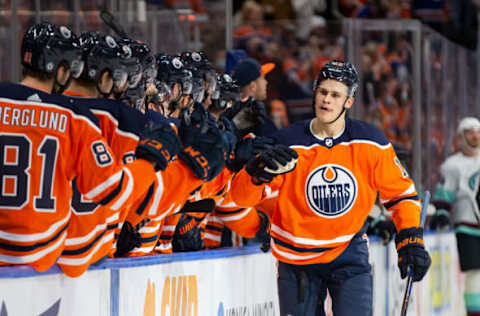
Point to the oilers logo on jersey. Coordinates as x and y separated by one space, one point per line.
331 190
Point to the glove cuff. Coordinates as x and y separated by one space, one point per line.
442 212
410 237
200 171
146 154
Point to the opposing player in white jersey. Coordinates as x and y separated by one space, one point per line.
457 196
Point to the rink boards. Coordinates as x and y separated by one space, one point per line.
223 282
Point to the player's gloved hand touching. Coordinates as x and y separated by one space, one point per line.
440 220
187 236
246 114
204 145
128 240
263 234
248 148
159 144
382 227
411 253
230 138
274 161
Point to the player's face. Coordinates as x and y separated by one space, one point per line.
472 137
330 98
261 88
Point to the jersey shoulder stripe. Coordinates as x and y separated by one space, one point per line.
127 119
300 134
356 131
21 92
296 134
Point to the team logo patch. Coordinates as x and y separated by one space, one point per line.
177 64
110 41
331 190
65 32
196 57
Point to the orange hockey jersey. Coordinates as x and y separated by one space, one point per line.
90 235
46 141
325 201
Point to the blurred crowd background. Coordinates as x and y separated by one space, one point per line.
417 58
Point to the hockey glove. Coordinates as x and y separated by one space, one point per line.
440 220
128 240
274 161
263 234
247 149
382 227
411 253
187 236
230 139
246 114
204 145
158 144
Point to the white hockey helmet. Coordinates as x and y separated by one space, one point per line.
468 122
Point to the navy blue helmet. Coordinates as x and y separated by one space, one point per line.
342 71
45 46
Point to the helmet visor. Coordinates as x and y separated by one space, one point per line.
149 74
134 79
164 91
76 67
211 82
119 78
187 85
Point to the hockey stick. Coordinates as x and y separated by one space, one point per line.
408 289
111 22
202 206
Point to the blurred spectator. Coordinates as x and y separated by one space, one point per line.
278 10
464 22
251 27
431 12
195 5
305 10
279 113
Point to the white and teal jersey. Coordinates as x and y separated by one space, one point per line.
459 186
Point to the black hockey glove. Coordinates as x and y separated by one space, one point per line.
159 144
187 236
382 227
263 234
440 220
204 144
128 240
230 138
411 253
246 149
274 161
247 114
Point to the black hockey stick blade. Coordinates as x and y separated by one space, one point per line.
202 206
110 20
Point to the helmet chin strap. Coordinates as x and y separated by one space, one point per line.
58 88
104 95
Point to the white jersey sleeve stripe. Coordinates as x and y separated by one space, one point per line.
307 241
104 185
35 237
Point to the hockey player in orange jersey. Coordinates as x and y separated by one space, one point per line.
49 140
317 229
92 229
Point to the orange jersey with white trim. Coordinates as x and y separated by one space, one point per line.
46 141
326 199
175 196
172 189
92 228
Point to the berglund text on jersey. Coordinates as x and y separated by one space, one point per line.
37 118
